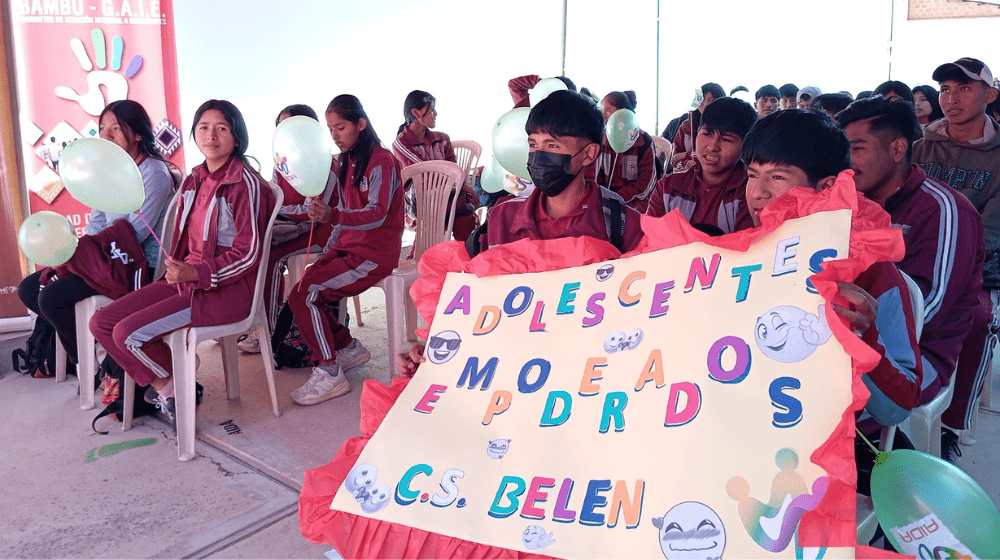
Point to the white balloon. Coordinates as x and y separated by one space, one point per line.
543 88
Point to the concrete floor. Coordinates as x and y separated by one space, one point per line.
72 493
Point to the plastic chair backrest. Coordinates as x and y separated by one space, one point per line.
917 300
436 185
167 235
258 292
467 154
662 146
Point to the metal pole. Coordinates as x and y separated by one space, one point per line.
892 23
565 2
657 129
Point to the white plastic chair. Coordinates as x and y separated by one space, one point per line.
662 146
866 519
184 345
924 423
467 154
435 184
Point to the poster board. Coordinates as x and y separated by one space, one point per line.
598 411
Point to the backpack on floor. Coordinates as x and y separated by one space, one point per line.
290 349
39 352
113 375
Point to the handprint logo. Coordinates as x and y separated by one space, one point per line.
116 85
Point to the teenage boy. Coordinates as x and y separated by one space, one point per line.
713 191
766 100
803 148
565 131
788 94
942 231
805 97
963 150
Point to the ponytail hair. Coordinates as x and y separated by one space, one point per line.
622 99
348 107
416 99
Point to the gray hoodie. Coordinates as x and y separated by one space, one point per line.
973 169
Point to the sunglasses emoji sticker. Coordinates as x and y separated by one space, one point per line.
443 346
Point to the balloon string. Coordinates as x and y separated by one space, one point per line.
311 224
864 439
611 174
180 292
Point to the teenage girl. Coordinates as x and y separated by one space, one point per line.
363 249
632 173
210 277
290 235
125 123
416 142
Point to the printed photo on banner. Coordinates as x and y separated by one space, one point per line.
666 404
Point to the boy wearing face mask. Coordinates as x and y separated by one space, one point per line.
565 131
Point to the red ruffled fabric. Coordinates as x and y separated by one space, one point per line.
832 523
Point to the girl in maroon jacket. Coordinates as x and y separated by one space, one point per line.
223 211
290 235
363 249
416 142
126 124
632 173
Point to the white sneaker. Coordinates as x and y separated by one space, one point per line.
322 386
250 344
353 356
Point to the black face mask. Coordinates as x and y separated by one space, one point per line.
550 172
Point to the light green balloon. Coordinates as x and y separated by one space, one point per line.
907 486
101 175
490 180
510 141
622 130
303 154
47 238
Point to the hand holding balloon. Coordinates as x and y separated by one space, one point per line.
180 271
319 211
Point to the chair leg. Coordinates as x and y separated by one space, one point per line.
86 350
395 318
357 311
61 362
184 392
128 402
231 366
267 354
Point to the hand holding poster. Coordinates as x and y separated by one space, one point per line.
670 403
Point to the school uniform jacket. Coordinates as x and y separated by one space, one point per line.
369 221
517 218
633 178
235 205
110 261
943 234
973 169
723 205
409 149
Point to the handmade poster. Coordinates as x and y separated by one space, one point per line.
665 404
73 57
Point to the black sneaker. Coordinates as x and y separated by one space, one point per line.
151 396
950 451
